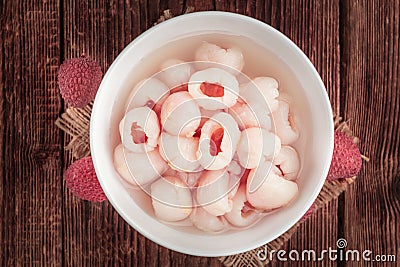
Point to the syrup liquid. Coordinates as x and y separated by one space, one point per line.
259 61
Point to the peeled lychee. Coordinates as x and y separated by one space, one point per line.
79 79
346 159
81 179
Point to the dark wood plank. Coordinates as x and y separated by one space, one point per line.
370 84
176 7
353 44
245 7
6 28
94 233
31 224
221 5
314 27
201 5
306 23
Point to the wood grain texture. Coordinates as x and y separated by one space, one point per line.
324 53
102 237
354 45
5 250
370 84
31 159
317 34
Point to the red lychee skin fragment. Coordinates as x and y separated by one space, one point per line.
216 140
212 89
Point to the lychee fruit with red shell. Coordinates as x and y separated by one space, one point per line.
78 80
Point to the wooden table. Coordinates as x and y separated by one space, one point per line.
353 44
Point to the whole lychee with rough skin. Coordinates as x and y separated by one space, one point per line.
346 159
81 179
78 80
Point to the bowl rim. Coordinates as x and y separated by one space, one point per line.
98 164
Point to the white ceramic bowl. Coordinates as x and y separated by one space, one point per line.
317 130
